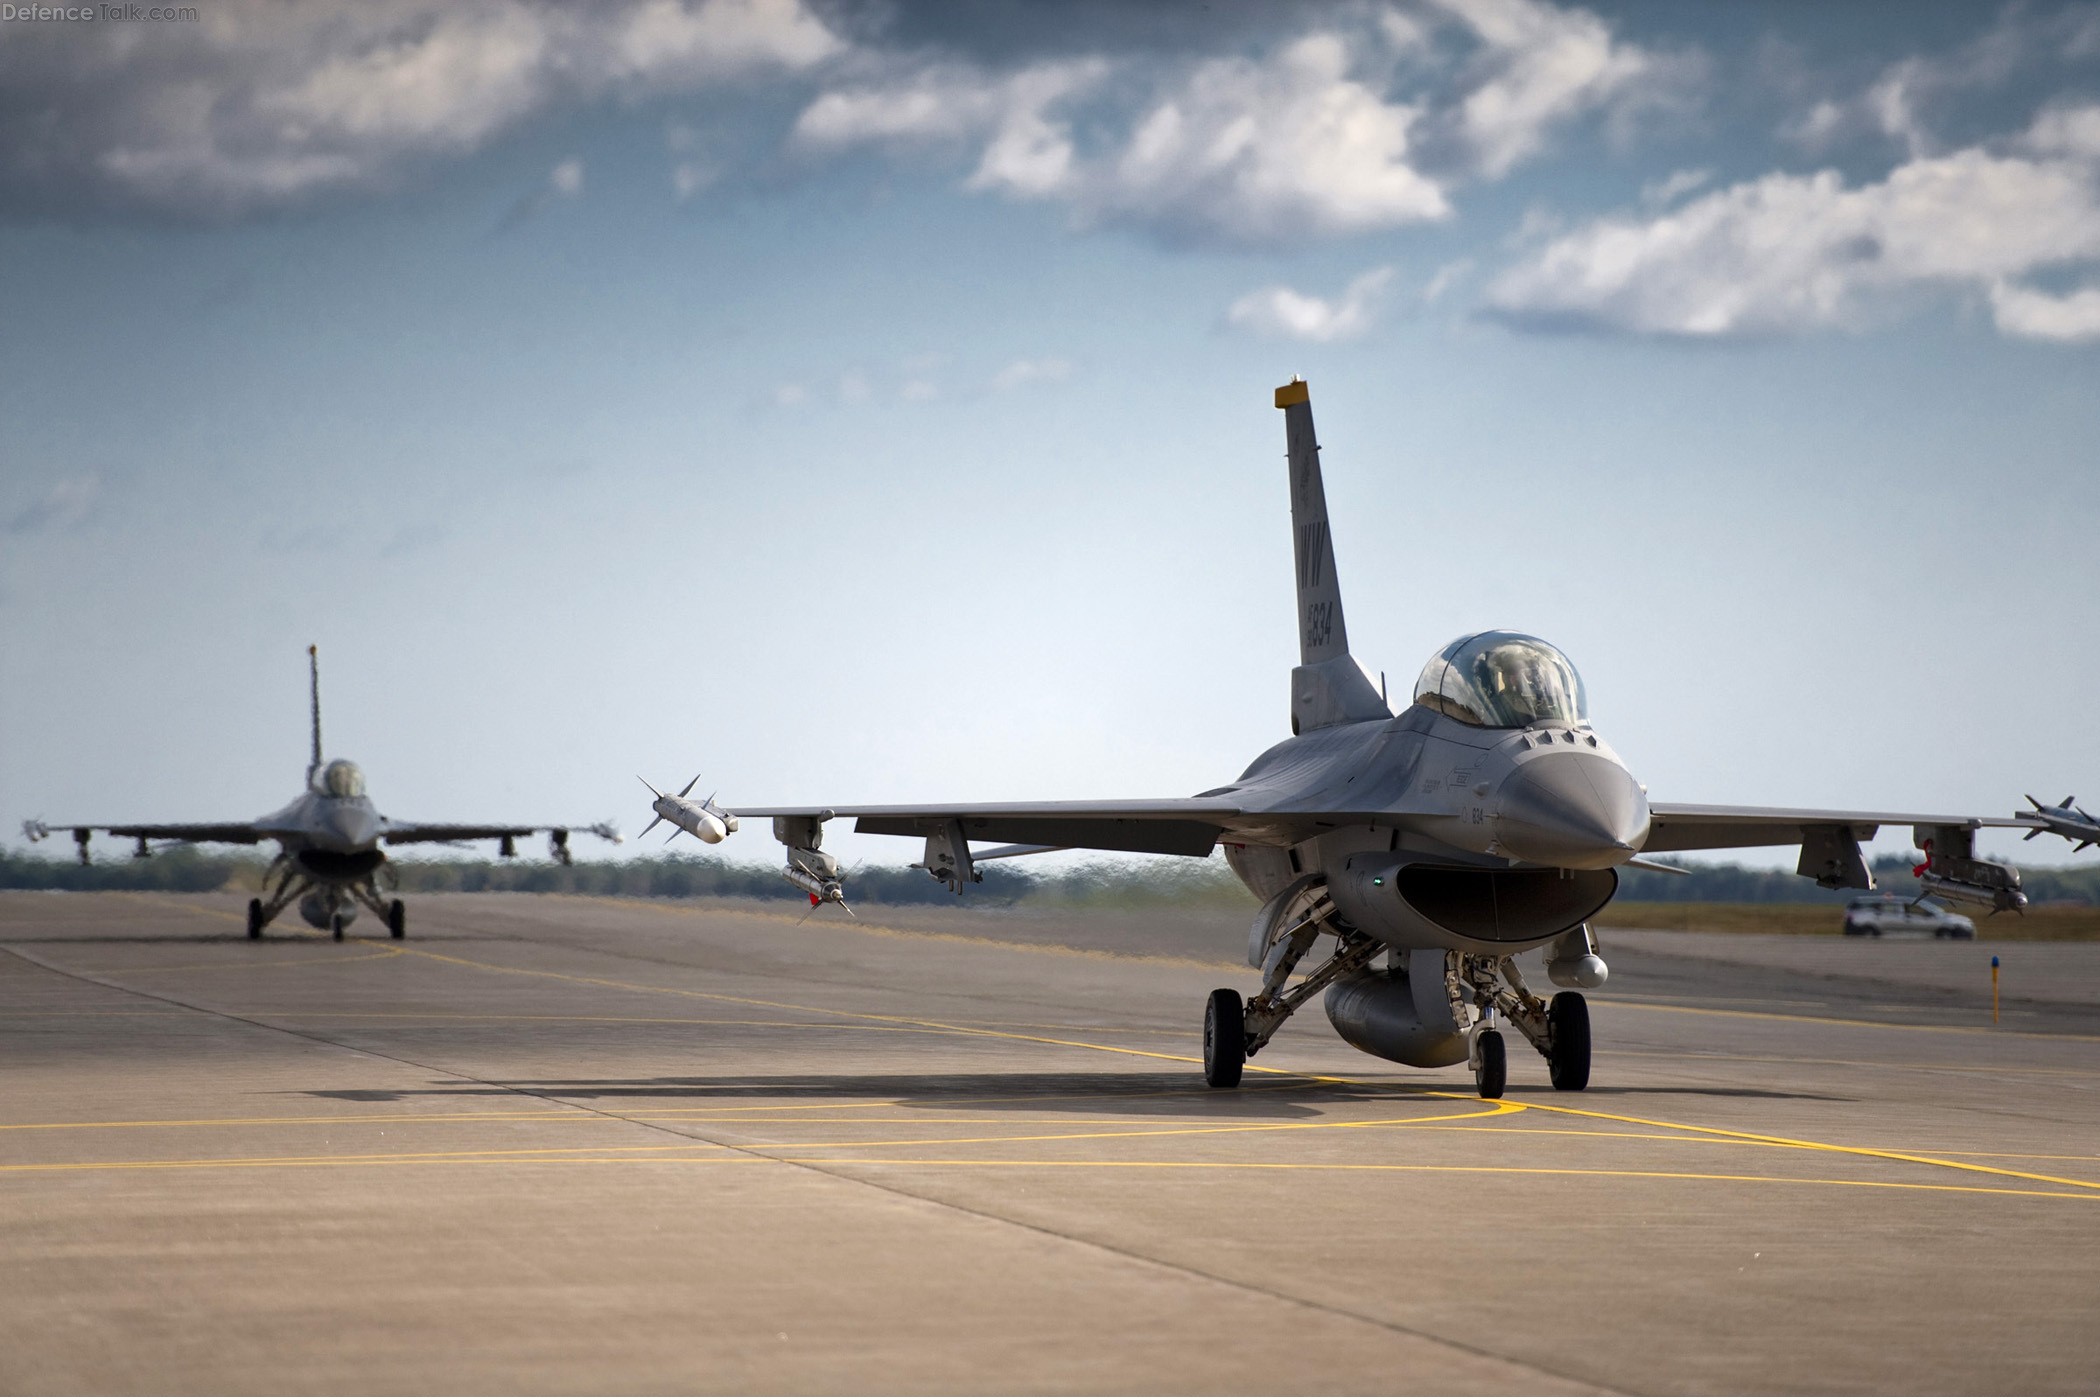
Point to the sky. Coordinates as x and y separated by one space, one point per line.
872 402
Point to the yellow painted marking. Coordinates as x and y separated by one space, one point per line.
383 953
929 1024
897 933
1497 1109
657 1155
1135 1052
1817 1146
1438 1169
963 1030
1653 1008
553 1155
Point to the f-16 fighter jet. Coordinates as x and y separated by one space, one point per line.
1422 850
329 839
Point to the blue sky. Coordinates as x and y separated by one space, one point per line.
872 403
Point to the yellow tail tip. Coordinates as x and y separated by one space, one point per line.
1296 391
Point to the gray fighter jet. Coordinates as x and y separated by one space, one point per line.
329 855
1428 849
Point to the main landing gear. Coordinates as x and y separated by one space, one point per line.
1568 1041
396 919
256 920
1484 992
1224 1039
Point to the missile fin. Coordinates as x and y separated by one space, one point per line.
660 795
689 786
651 825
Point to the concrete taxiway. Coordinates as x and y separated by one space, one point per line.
564 1144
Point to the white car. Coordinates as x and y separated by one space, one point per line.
1889 913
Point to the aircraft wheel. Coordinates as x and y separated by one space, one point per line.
255 919
1568 1020
1224 1038
1491 1071
397 919
337 923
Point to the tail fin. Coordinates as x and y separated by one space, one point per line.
313 666
1328 687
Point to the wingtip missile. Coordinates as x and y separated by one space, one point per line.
2067 821
703 819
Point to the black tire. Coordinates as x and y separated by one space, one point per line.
396 919
255 919
337 923
1224 1038
1568 1027
1491 1071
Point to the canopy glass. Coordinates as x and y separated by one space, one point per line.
1501 679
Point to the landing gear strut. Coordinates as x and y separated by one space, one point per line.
396 919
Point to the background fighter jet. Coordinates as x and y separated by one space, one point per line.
1488 818
329 839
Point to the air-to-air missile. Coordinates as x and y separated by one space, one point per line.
2065 819
703 819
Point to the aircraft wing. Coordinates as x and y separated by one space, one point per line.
1190 827
1675 828
412 832
244 833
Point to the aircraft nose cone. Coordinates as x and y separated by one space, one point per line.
348 827
1571 810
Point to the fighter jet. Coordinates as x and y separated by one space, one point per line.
329 839
1424 849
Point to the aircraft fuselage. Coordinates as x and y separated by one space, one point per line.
1485 840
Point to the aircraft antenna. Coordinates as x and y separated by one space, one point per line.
313 666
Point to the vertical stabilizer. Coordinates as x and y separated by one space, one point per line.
313 670
1328 687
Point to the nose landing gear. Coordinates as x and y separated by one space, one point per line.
1490 1064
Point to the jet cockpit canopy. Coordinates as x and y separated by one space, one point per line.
1502 679
341 779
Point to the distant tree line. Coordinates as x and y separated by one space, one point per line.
1157 882
1729 882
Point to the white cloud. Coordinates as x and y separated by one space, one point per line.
1270 152
1787 252
1231 148
265 104
1025 371
1289 314
1305 141
1663 192
790 395
1547 65
2036 315
564 181
1447 276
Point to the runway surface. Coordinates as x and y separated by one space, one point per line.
565 1144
